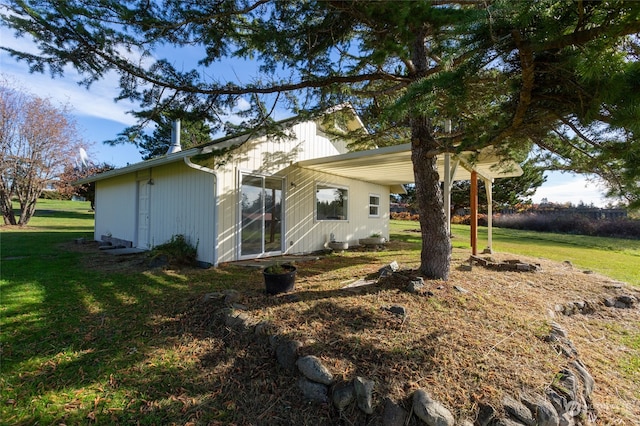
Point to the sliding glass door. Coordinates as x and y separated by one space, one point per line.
261 216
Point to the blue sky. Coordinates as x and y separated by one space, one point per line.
100 118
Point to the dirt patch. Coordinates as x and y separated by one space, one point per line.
98 260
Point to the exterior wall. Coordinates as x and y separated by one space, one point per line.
266 157
303 234
205 207
183 202
116 208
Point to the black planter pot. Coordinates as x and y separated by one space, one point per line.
281 282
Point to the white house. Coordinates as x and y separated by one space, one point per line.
256 195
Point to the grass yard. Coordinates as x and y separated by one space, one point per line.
91 338
616 258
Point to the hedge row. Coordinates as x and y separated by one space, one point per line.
560 223
571 224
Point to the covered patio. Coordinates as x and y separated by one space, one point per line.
392 166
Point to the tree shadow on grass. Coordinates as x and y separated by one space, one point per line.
80 345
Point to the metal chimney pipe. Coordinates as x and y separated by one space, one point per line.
175 138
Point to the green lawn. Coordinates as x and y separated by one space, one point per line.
76 342
79 345
616 258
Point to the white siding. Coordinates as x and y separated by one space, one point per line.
183 202
116 208
303 234
204 207
309 235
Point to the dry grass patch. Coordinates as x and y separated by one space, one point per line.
466 348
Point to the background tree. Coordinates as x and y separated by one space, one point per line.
560 74
507 192
37 140
409 198
73 172
193 132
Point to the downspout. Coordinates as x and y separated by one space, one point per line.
187 161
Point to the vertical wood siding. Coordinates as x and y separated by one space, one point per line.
184 200
183 203
116 201
309 235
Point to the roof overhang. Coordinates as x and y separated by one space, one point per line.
392 165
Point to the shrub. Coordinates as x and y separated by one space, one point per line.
52 195
466 219
404 216
571 224
178 250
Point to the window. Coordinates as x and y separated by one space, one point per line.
331 202
374 205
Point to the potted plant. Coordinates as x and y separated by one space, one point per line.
279 278
374 239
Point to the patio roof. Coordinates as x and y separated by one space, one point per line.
392 165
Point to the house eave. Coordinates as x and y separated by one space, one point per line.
154 162
392 165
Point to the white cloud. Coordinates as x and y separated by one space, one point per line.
561 188
97 101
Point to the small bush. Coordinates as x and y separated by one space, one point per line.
404 216
52 195
179 251
466 220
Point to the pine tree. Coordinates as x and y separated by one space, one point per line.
558 73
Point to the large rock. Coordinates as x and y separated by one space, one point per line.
587 380
393 414
567 384
364 394
486 414
287 354
416 285
566 419
342 395
626 301
430 411
558 401
544 411
238 319
518 411
313 369
507 422
313 391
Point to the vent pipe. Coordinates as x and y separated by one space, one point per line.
175 138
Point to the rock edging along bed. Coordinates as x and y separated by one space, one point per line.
567 400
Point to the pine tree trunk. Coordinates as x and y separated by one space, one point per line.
435 257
